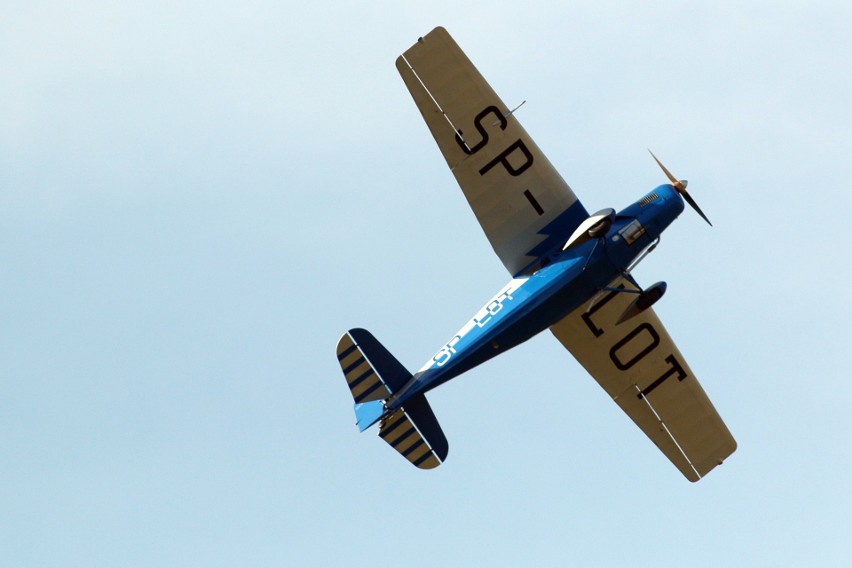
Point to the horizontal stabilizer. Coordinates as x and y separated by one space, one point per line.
414 432
371 372
373 375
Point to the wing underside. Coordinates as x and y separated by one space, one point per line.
522 203
639 366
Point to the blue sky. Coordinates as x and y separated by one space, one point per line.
197 200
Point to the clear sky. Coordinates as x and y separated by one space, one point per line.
198 198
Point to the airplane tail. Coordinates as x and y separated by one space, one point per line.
373 375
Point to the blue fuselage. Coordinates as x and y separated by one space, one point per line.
531 303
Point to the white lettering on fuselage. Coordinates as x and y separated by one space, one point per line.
479 321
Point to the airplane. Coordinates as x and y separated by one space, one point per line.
570 273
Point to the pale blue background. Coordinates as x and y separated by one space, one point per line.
198 198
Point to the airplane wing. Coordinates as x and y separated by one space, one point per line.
638 365
522 203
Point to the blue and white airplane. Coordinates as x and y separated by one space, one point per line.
571 274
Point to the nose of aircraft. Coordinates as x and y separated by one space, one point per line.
680 187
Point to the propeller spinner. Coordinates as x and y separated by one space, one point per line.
680 186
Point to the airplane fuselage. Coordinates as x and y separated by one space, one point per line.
529 304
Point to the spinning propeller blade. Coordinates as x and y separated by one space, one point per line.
680 186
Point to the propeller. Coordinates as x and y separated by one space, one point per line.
680 186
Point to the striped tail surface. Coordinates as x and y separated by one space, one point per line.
373 375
